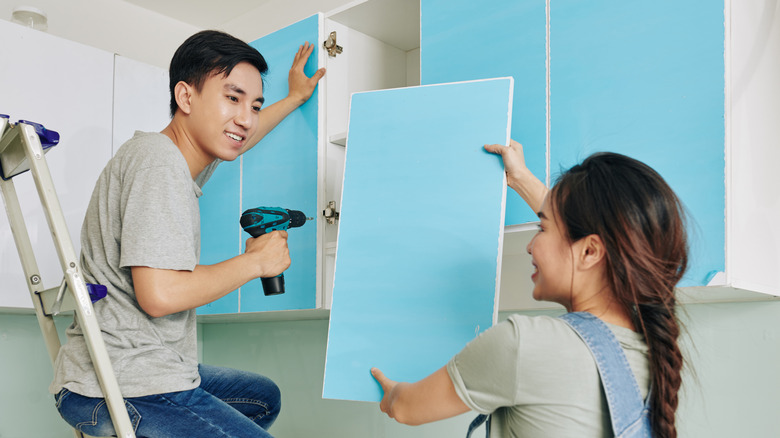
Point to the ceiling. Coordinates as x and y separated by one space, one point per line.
396 22
205 14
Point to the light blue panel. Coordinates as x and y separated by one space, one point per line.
464 40
421 221
219 238
646 79
281 170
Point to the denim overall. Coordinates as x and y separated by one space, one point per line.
629 414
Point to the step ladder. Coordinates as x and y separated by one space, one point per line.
22 147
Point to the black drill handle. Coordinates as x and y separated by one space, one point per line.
261 220
273 285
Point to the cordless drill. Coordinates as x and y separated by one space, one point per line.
261 220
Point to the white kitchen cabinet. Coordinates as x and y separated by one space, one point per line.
67 87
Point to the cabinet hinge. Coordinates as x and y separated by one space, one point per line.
330 44
330 213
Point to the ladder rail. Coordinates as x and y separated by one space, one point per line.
29 265
70 267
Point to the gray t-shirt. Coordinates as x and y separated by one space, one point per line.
539 379
143 212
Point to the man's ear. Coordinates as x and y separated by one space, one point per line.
183 93
592 251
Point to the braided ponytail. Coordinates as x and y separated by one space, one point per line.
641 222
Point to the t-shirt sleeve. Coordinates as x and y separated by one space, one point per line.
484 373
157 229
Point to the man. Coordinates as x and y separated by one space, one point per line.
141 239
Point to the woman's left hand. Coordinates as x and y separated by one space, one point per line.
387 388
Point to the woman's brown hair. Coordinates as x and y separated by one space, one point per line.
642 224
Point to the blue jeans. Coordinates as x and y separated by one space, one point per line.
228 403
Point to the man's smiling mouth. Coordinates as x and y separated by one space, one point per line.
235 137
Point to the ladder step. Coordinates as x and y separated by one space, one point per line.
13 159
48 299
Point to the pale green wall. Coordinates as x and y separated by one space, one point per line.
736 391
26 407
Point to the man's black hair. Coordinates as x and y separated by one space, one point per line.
210 52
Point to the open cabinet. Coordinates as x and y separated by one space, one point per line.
300 164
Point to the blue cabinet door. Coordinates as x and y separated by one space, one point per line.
282 170
464 40
646 79
420 234
220 209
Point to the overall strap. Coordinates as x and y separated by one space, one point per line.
629 414
481 418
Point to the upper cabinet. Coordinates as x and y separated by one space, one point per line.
690 89
633 78
282 170
87 95
371 45
466 40
668 84
752 152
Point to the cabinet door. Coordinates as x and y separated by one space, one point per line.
646 79
280 171
466 40
421 226
141 99
220 233
67 87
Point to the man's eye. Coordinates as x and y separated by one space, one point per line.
256 109
233 98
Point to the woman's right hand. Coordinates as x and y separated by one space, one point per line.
514 161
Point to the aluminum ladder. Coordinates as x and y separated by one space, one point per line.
21 149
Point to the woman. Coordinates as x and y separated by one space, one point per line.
610 248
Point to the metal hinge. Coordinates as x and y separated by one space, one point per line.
330 44
330 213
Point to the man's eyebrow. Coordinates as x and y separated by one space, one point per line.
235 88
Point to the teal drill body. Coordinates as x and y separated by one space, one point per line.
262 220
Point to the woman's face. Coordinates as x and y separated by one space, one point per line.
551 256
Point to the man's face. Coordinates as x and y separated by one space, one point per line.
225 112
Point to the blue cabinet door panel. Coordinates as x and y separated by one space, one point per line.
646 79
219 230
465 40
420 232
281 170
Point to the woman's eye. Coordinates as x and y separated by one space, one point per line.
233 98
